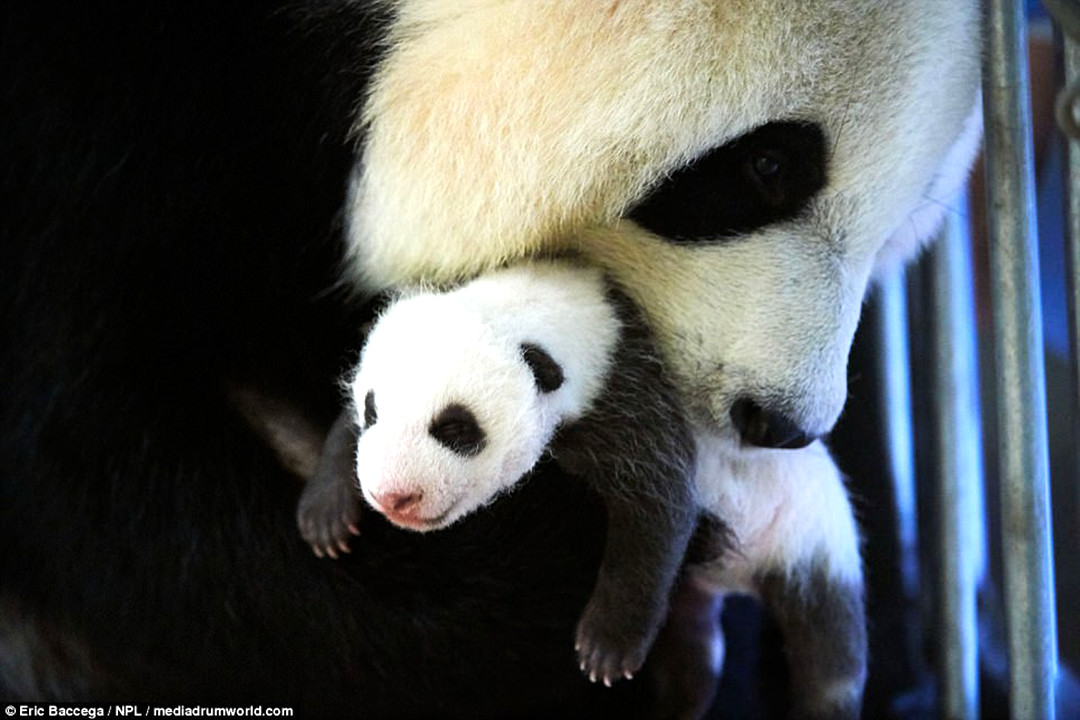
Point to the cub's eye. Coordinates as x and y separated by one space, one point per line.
765 176
457 429
370 415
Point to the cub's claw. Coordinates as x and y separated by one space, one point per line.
605 658
327 521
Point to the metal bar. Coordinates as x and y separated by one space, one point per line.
1018 349
898 424
958 493
1072 232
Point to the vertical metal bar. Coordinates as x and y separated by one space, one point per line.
898 424
958 482
1018 349
1072 231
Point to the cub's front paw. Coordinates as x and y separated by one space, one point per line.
609 646
327 517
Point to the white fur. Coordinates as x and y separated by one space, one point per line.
942 197
788 510
494 129
433 349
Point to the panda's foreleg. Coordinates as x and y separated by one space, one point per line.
329 508
822 620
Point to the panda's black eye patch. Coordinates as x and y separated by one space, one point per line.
457 429
546 372
768 175
370 414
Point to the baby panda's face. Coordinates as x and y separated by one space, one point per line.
451 415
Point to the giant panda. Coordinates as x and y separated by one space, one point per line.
199 195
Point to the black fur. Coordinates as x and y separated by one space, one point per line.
546 372
371 412
635 448
171 181
823 626
457 429
687 659
329 507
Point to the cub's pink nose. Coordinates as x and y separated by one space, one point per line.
400 503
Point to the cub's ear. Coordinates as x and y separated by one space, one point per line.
547 373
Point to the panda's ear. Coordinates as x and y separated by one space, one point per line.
547 373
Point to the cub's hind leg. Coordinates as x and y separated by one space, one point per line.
822 621
688 656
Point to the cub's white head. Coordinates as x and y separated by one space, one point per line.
451 412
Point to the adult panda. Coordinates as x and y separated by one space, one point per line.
744 168
174 184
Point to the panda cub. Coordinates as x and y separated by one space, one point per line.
457 396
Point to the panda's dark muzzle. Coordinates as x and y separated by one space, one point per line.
765 428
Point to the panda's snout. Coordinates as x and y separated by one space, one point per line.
399 503
765 428
407 509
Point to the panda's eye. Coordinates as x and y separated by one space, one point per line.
456 428
765 169
765 165
370 414
766 176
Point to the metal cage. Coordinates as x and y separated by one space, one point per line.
1010 508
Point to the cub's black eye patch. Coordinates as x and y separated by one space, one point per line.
768 175
457 429
546 372
370 414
